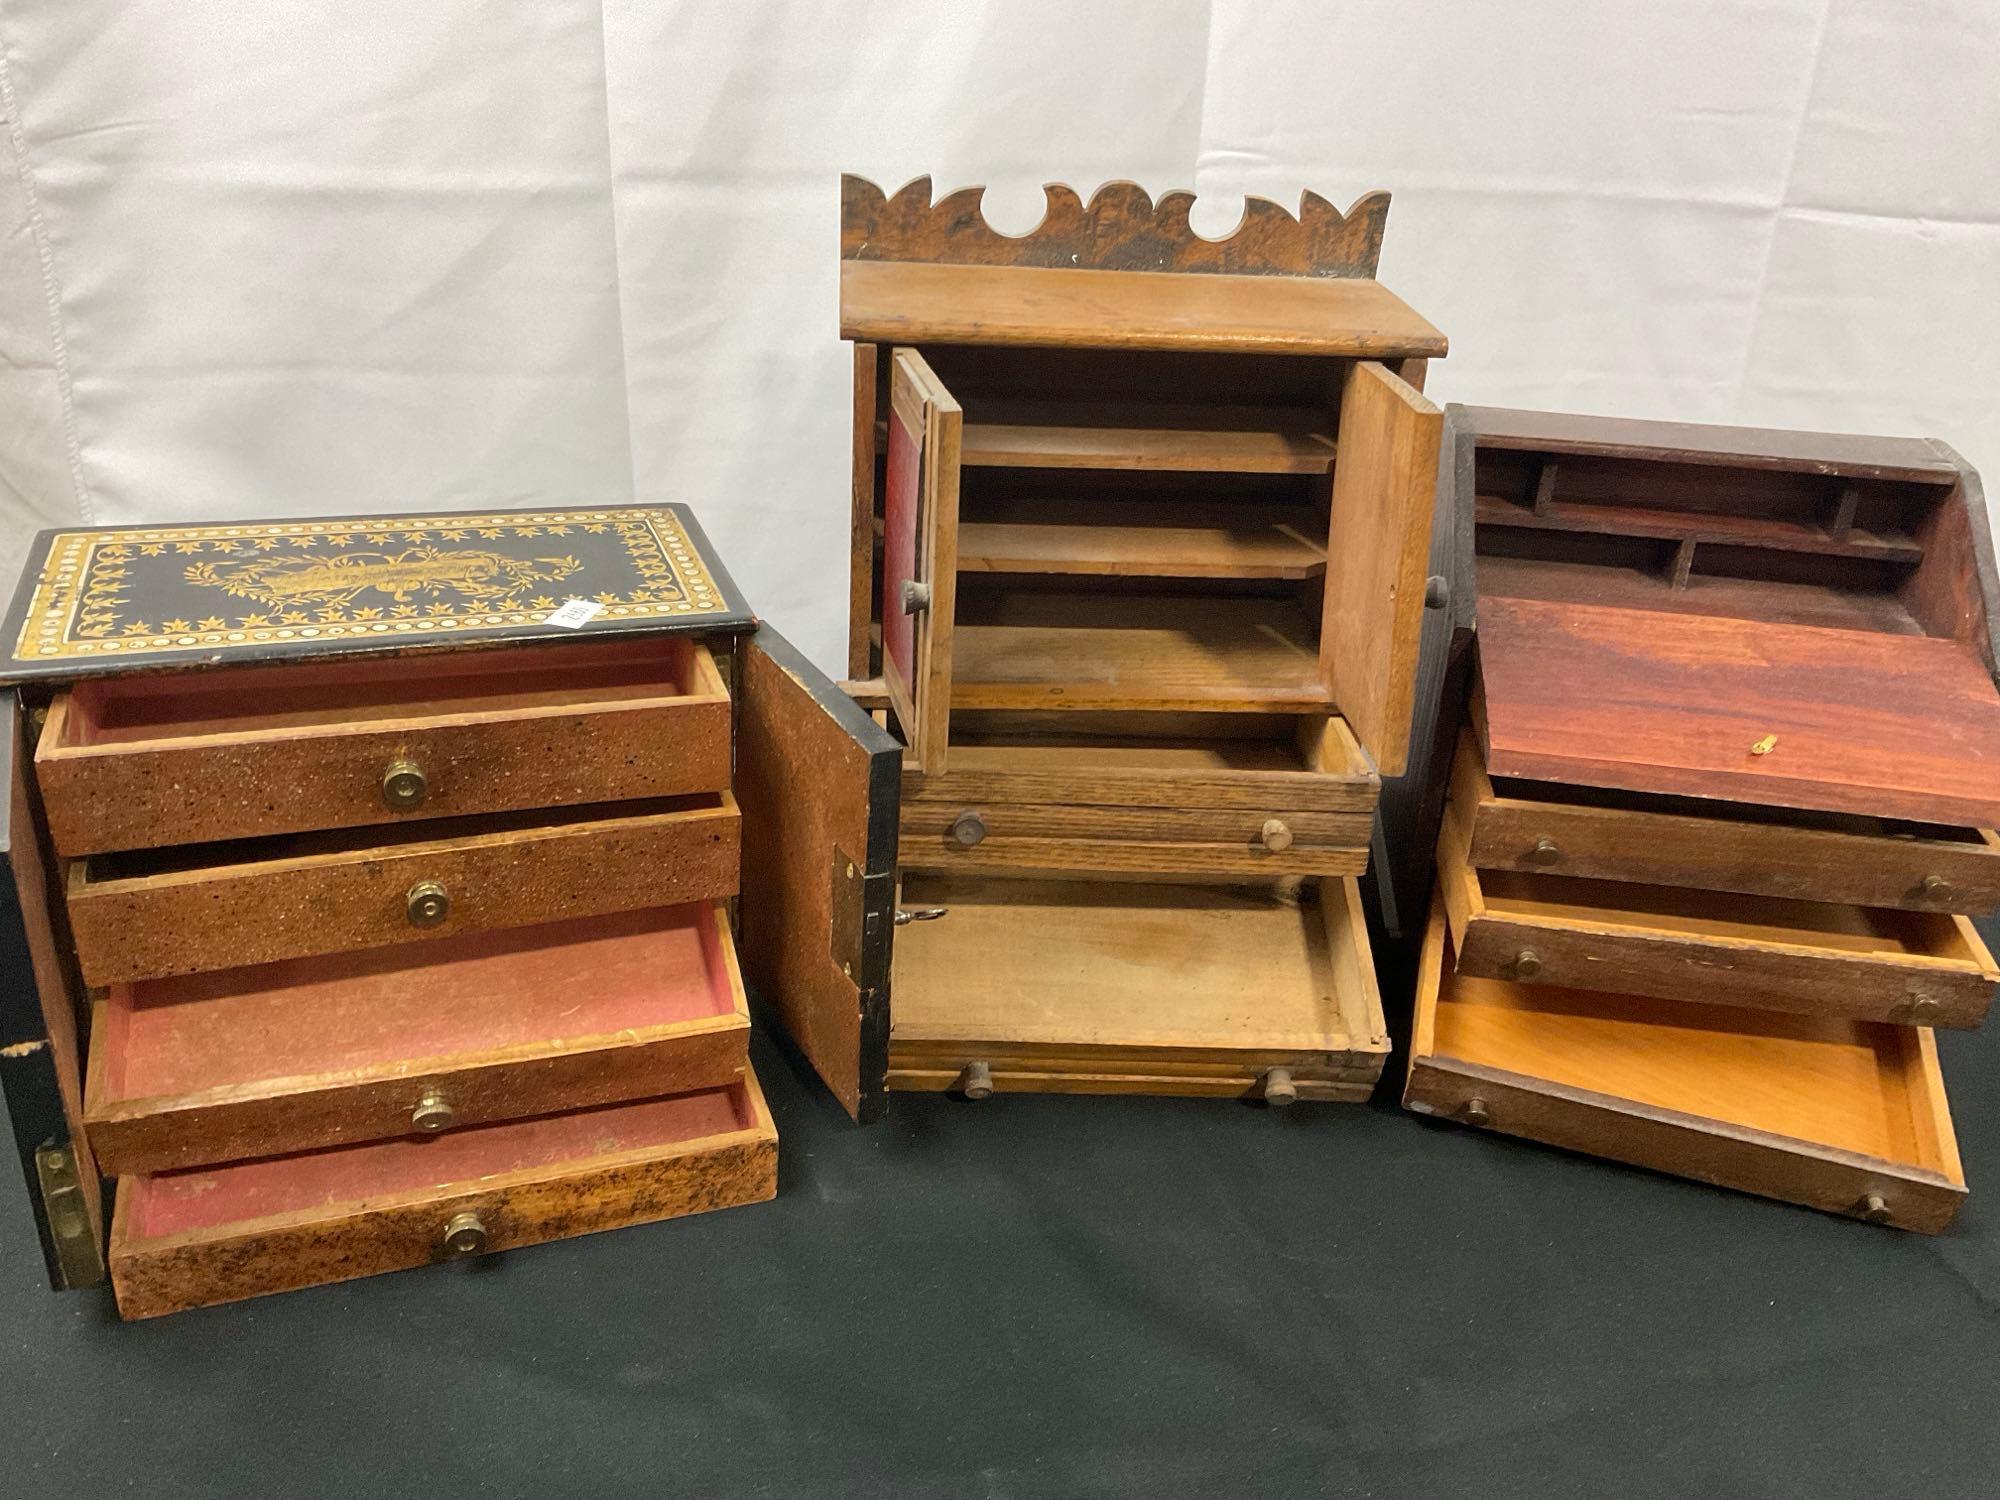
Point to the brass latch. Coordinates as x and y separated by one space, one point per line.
79 1258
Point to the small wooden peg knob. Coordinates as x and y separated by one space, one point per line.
1476 1112
1275 836
1527 964
976 1082
1545 852
1873 1209
1279 1090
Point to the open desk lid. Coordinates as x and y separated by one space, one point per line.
147 598
1790 619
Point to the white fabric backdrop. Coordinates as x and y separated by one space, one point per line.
290 257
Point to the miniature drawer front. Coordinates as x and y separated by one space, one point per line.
1713 948
1214 841
208 1235
149 915
1840 1115
1252 807
141 762
415 1039
1096 986
1850 861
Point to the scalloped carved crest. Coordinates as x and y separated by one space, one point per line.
1120 229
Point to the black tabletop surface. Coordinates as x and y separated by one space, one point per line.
1082 1297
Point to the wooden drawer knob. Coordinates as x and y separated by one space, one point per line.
1545 852
1527 964
465 1235
976 1082
1275 836
1872 1208
432 1114
1476 1113
968 830
427 904
403 786
1279 1090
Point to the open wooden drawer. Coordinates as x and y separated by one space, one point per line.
1290 797
1840 1115
216 1234
414 1039
135 762
1088 986
1856 962
146 914
1845 858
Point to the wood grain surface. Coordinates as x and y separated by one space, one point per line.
1538 828
818 783
322 1052
135 918
1121 227
1166 538
210 1235
1019 305
131 763
1328 774
1891 726
1806 1109
1115 987
1710 948
1092 651
1378 558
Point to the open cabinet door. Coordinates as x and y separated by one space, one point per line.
920 555
1378 557
818 782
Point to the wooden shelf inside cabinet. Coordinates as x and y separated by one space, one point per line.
1144 539
1084 651
1160 438
1771 533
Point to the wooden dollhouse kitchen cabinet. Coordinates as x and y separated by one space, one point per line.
1140 539
371 904
1723 805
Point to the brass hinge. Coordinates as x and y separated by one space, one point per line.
860 917
79 1258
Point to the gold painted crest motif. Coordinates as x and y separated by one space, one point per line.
109 594
345 576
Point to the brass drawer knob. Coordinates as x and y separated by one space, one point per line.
1279 1090
1476 1113
1936 887
976 1082
968 830
465 1234
427 904
403 786
1275 836
1527 964
432 1114
1545 852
